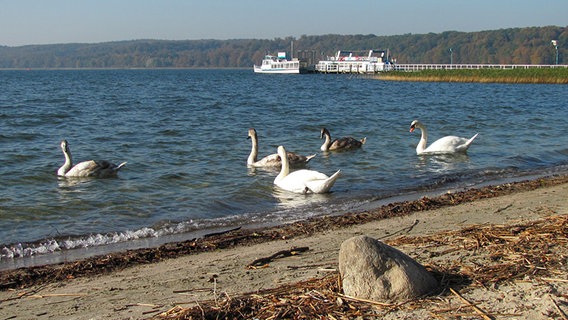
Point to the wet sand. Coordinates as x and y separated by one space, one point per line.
143 283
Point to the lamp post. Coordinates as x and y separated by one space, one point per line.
555 44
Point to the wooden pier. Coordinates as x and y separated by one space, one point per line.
372 68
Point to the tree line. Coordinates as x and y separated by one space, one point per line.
531 45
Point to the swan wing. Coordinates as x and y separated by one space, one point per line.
94 168
465 146
298 159
292 185
346 143
323 185
272 160
449 144
296 181
307 175
307 181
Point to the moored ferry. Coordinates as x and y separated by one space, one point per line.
278 64
355 62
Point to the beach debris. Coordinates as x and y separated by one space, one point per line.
214 234
51 295
482 313
263 262
375 271
562 314
323 298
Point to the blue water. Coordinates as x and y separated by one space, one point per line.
184 135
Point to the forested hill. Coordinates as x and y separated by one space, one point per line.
506 46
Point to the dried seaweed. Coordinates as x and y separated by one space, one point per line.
501 252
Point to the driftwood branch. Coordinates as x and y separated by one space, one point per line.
503 209
562 314
405 230
477 309
220 232
50 295
280 254
553 280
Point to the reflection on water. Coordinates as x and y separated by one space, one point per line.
440 163
68 185
253 171
287 199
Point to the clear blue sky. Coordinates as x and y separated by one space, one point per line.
25 22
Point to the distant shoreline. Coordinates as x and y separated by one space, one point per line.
511 76
514 76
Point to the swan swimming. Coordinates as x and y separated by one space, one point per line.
303 181
91 168
344 143
272 160
445 145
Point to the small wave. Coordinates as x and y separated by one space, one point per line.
22 250
189 229
49 246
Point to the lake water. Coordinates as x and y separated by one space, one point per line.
184 135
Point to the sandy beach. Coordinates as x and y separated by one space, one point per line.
466 238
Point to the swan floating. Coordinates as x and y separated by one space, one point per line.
344 143
91 168
445 145
303 181
272 160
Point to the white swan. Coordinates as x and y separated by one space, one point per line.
303 181
448 144
91 168
272 160
344 143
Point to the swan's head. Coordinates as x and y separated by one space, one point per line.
323 133
251 133
415 124
65 146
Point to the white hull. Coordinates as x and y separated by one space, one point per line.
273 64
258 69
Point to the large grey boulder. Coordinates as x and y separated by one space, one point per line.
373 270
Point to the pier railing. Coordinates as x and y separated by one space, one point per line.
420 66
370 68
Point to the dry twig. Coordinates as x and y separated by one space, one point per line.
562 314
284 253
476 308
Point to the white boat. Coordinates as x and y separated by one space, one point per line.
355 62
278 64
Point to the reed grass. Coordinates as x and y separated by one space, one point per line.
531 75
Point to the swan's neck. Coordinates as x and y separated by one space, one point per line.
254 150
285 169
327 142
423 140
67 165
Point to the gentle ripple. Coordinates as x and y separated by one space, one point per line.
183 133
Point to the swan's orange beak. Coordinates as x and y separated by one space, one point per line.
411 129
